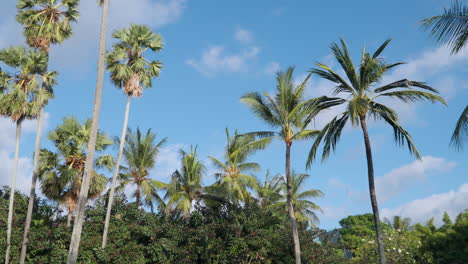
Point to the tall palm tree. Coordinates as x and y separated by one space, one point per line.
61 172
290 113
78 225
451 28
131 70
304 208
361 93
21 99
185 186
45 23
140 153
233 182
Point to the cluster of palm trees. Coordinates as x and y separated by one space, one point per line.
71 174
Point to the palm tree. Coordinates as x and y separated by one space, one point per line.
269 191
233 182
451 28
291 114
130 71
45 23
361 91
61 172
78 225
140 153
304 209
20 99
185 185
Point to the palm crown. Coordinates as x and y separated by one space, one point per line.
61 172
140 153
287 110
47 22
23 98
361 93
129 68
304 208
233 180
185 185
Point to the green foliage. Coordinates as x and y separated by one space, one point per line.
400 248
354 228
447 243
220 234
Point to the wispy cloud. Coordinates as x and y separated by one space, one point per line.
398 180
244 36
215 60
271 68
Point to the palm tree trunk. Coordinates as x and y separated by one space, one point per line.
137 196
116 172
78 225
69 218
32 194
12 191
292 217
373 197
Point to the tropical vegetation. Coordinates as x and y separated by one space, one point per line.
211 209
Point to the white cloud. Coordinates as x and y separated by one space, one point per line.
215 60
421 210
397 180
244 36
271 68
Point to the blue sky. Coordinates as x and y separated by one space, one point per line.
216 51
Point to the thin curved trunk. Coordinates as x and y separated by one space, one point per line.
373 197
292 217
79 218
12 191
116 172
32 194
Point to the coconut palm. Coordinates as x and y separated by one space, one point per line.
131 70
361 93
291 114
140 153
233 182
61 171
20 99
451 28
269 191
304 208
45 23
78 225
185 186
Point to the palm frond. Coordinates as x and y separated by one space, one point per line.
451 27
461 130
